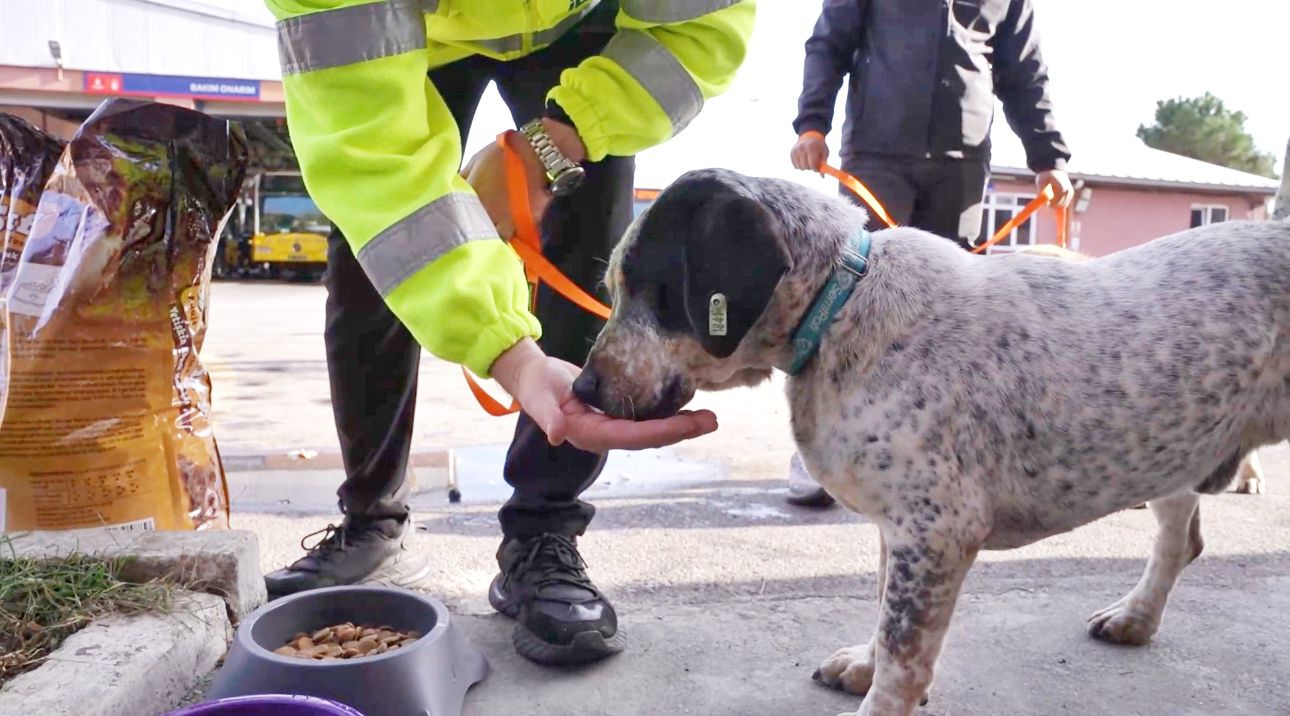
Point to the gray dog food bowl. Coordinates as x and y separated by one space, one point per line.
428 677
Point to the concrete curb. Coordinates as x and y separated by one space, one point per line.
225 563
139 665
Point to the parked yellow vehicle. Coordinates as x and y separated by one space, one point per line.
276 231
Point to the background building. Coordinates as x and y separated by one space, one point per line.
60 58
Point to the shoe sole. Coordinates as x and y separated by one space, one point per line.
586 647
815 498
409 571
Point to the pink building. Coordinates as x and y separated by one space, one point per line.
1130 194
1127 192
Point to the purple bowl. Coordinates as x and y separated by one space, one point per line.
268 705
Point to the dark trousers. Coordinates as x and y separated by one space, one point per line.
372 359
942 196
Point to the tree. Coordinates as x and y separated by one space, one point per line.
1202 128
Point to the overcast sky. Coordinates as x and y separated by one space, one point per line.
1110 60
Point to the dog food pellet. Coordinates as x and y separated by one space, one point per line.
346 641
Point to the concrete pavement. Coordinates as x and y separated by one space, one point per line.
730 597
730 600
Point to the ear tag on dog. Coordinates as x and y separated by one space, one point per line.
717 310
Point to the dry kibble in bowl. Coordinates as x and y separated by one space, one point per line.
346 641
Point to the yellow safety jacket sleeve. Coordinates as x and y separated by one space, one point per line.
380 152
653 76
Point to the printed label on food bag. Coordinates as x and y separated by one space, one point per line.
59 221
18 217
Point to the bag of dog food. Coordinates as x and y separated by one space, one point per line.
106 404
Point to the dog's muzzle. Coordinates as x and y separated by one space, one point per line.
591 390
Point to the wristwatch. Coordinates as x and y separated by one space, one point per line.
563 174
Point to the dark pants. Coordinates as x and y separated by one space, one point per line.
942 196
372 359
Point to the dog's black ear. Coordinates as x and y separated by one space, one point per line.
734 257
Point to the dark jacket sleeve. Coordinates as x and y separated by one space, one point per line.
1021 82
829 56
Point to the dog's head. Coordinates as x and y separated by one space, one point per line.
690 281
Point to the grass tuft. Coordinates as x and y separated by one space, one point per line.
42 602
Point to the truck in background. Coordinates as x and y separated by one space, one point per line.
276 231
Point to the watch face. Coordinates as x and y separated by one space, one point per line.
568 180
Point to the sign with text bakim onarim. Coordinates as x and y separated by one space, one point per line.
126 84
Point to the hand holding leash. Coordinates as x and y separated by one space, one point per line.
543 386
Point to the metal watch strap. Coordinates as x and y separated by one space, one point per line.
553 160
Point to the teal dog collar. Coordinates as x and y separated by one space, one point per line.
842 282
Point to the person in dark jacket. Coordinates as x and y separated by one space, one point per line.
922 79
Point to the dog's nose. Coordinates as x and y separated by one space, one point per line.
587 388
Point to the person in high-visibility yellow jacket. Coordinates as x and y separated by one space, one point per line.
379 97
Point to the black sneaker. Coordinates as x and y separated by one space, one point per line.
367 551
562 617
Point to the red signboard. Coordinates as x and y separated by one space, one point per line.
102 83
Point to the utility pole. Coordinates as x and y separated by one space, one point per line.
1281 209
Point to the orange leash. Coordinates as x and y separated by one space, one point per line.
860 190
1039 202
527 243
1063 226
1035 204
855 185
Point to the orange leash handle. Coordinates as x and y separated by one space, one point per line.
527 243
1035 204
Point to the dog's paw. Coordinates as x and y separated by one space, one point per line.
1252 486
849 669
1121 623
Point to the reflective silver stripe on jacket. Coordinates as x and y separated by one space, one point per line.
418 240
541 38
659 72
358 33
665 11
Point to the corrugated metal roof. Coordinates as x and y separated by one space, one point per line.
160 37
212 11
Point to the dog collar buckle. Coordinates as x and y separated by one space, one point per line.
855 265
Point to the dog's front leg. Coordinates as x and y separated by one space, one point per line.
925 570
851 668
